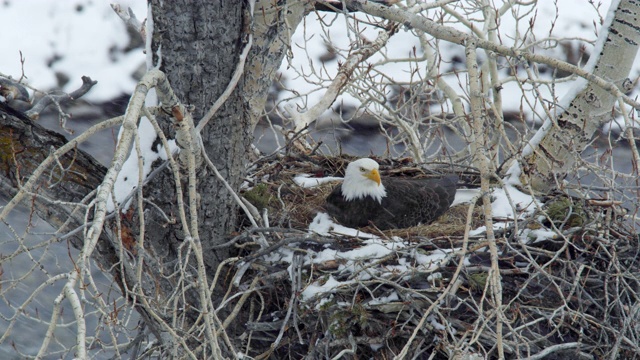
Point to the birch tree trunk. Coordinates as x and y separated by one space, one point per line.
199 45
557 146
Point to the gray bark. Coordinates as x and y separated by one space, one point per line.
569 134
24 144
200 43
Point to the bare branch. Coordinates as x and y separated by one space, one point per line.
48 99
130 20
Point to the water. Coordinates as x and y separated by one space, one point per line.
24 273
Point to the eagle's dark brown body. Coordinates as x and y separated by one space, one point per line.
409 202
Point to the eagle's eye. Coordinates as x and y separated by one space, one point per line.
362 169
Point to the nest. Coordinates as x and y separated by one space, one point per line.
569 281
271 187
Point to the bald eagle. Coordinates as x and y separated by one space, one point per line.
364 198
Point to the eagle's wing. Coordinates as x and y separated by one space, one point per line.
413 201
408 203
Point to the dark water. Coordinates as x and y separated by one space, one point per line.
57 258
35 269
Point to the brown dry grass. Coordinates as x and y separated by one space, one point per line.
581 281
291 205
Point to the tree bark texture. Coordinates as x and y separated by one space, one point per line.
24 144
199 42
196 44
575 127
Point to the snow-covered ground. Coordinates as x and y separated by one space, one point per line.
576 21
85 37
73 38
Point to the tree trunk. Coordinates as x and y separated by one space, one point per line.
200 42
24 145
563 139
197 45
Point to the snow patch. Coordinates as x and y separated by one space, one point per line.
74 38
128 177
501 206
316 288
306 181
529 236
323 225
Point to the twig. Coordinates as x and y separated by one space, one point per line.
48 99
130 19
458 37
446 292
302 120
480 139
551 349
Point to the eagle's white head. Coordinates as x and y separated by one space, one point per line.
362 179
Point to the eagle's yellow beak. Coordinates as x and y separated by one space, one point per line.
373 175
